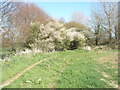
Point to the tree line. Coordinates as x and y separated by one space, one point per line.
16 19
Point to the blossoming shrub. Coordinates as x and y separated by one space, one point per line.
74 39
53 36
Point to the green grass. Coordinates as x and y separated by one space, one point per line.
83 73
18 63
67 69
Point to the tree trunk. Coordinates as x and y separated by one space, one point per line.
97 34
96 41
116 35
110 36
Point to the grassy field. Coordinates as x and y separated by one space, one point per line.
66 69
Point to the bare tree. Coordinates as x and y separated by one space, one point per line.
15 21
96 22
62 20
118 25
27 13
110 10
79 17
7 7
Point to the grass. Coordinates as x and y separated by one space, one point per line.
67 69
84 73
18 63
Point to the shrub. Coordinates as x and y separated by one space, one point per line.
34 31
73 24
74 39
48 38
53 36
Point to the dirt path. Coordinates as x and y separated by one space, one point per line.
21 73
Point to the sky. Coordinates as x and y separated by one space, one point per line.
65 9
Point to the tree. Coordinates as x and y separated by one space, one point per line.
118 25
79 17
110 13
7 7
16 19
62 20
96 21
104 20
27 16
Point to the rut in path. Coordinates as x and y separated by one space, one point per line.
21 73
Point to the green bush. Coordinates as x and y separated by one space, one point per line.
34 30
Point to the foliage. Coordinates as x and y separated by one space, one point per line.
74 39
34 30
53 36
46 37
74 24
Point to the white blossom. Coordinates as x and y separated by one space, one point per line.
53 34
